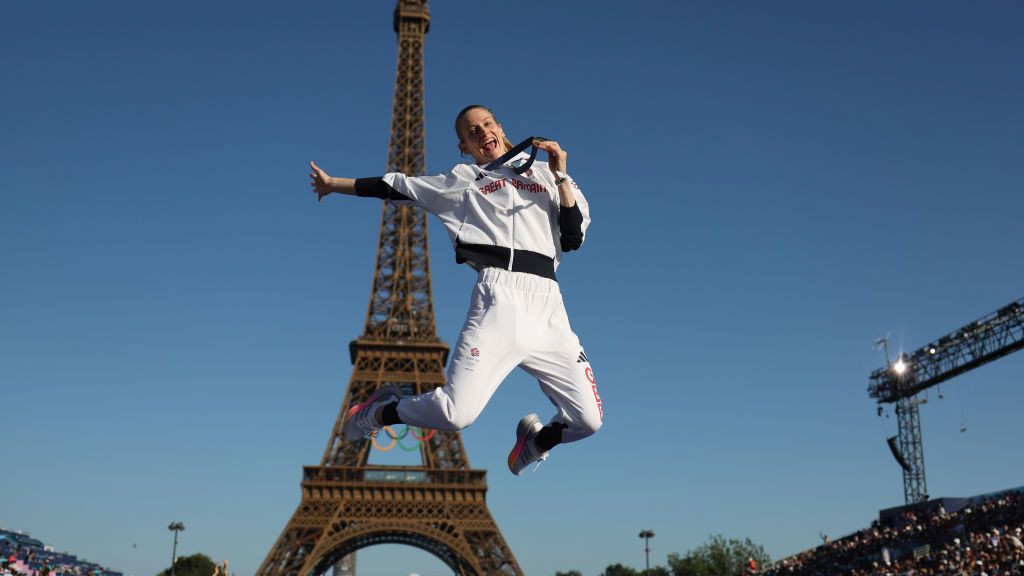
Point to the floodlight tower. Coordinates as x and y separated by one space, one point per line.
980 342
647 535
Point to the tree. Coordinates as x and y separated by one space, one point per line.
619 570
194 565
719 557
569 573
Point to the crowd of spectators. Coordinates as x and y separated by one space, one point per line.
982 539
24 556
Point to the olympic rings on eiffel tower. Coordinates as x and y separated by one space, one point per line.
397 439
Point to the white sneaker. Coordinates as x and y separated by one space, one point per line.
525 452
361 420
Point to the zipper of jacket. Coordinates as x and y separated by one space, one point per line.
512 193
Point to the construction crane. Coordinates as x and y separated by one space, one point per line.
899 382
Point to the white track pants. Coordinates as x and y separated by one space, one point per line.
514 319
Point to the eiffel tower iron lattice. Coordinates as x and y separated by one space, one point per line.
348 504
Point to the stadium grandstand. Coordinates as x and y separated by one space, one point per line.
979 536
23 555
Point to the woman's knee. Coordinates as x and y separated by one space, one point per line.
587 425
460 420
456 419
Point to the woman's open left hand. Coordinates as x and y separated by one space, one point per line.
556 156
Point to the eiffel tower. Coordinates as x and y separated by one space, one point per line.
348 504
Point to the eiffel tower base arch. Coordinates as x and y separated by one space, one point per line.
442 512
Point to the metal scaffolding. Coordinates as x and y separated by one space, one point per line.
980 342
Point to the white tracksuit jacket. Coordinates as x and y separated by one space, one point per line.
511 229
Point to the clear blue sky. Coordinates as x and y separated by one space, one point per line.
773 185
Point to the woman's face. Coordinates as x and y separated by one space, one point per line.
481 136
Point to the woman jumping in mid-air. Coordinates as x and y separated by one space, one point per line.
512 225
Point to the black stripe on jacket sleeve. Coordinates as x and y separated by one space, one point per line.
377 188
570 227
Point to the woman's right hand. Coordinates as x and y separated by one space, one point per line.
321 181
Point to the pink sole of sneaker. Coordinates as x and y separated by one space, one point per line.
361 405
514 454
